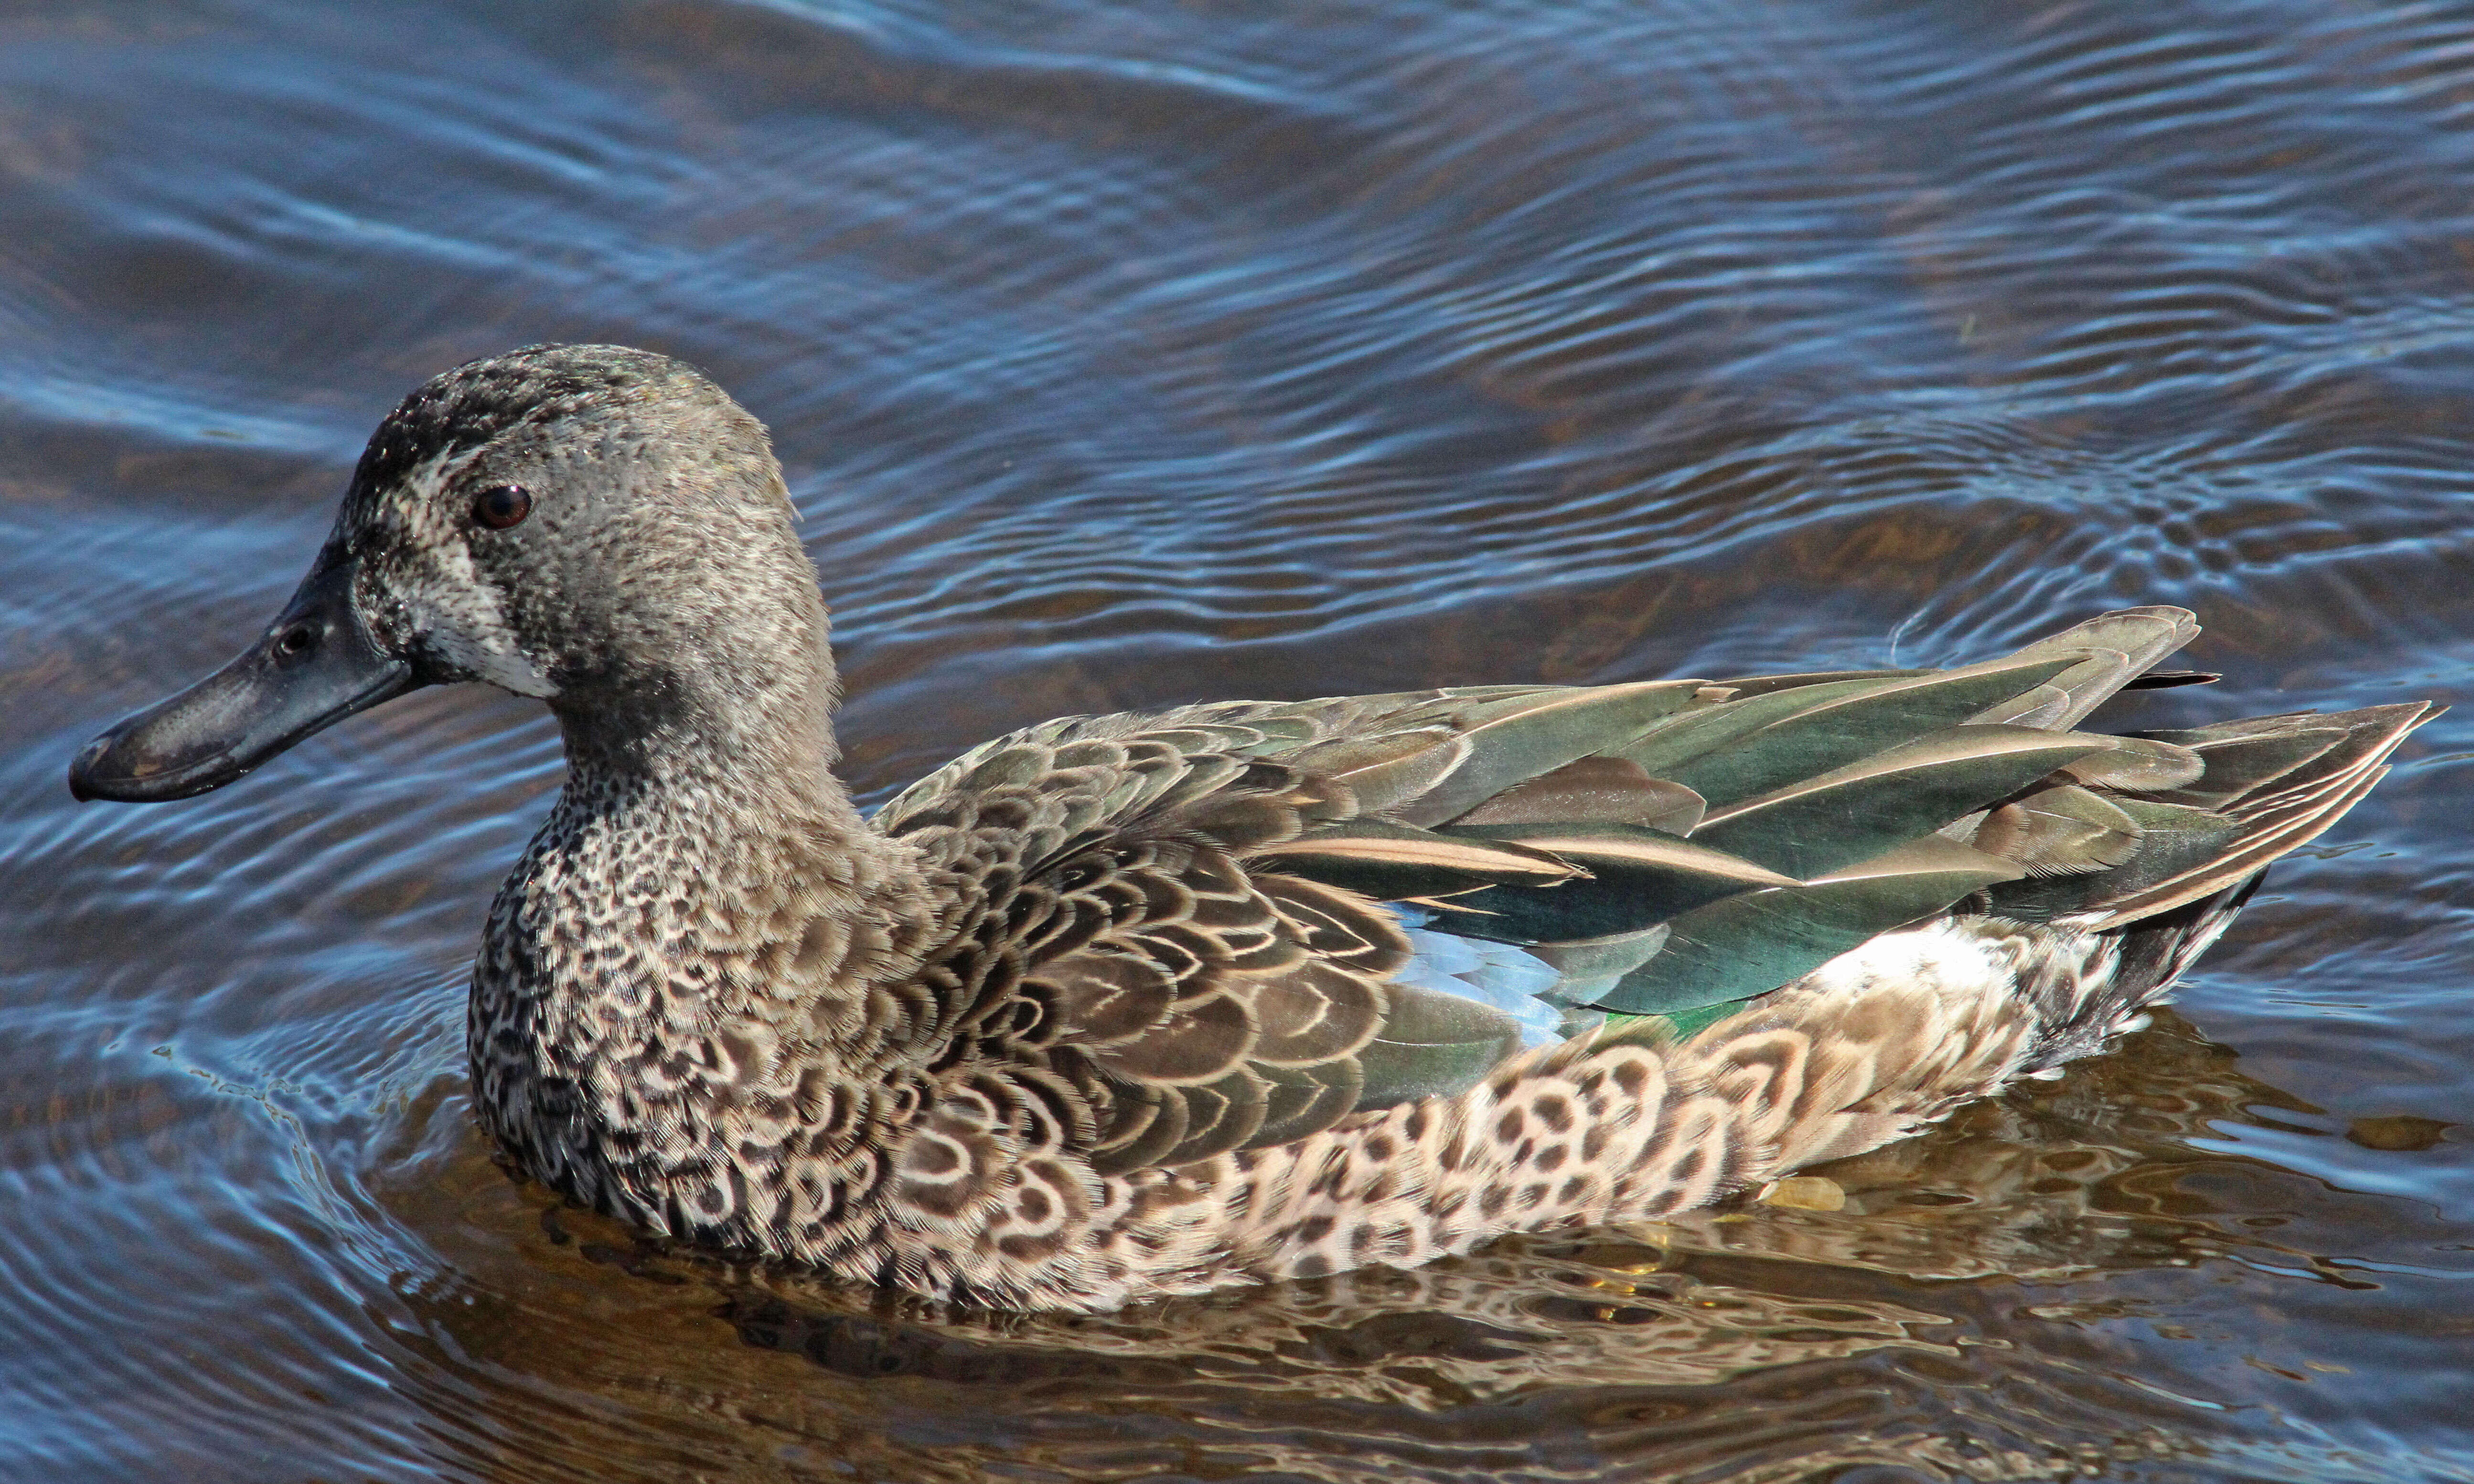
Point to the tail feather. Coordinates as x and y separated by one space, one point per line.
2277 812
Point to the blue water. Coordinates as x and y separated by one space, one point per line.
1125 354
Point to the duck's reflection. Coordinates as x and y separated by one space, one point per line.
1962 1308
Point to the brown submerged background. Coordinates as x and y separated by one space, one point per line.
1125 354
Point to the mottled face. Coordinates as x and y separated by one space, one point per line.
597 526
509 517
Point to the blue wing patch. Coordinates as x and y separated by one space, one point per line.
1499 975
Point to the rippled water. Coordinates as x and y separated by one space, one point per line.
1123 355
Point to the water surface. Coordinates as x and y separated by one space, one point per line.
1123 355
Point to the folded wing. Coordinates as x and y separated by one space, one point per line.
1199 931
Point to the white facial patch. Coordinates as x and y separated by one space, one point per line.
479 639
450 606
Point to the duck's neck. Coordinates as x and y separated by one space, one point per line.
705 950
752 869
703 842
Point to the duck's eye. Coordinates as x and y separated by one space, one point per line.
503 505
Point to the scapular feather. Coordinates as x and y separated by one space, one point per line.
2138 763
1386 768
1745 686
2174 839
1723 714
2114 647
1634 878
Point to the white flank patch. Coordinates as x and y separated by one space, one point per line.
1941 956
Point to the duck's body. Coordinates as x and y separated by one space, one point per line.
1124 1007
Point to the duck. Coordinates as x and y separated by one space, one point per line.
1120 1007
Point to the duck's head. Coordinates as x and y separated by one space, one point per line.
598 526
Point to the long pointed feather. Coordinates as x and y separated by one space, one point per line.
1594 790
2132 640
1751 944
1713 724
2138 763
1515 739
1384 770
1857 812
1835 730
1636 878
1747 686
1390 862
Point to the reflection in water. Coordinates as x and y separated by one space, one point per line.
1126 352
1732 1343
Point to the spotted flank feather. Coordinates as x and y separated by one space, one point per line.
1123 1007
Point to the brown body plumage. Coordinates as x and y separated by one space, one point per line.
1124 1007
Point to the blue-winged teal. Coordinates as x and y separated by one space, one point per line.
1128 1006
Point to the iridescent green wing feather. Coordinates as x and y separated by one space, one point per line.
1194 922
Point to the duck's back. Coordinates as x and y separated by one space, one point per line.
1232 926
